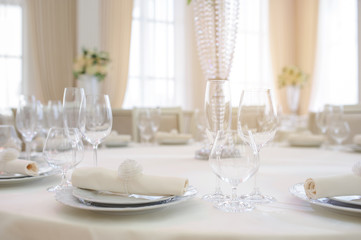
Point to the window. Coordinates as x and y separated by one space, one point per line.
251 66
11 53
336 75
151 79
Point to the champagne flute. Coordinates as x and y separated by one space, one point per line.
218 110
26 120
234 164
96 121
257 117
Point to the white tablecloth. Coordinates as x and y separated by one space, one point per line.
28 211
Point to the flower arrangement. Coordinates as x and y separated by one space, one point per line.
91 63
292 76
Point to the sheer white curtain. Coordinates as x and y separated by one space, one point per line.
151 80
11 51
252 62
336 73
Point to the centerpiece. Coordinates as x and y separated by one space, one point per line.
293 79
90 68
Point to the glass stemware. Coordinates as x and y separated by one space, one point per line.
9 138
257 116
144 123
339 131
26 120
218 110
234 164
155 115
200 122
73 100
96 121
63 152
54 114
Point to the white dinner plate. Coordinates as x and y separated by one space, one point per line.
355 147
340 207
66 197
103 197
173 141
44 171
302 143
116 144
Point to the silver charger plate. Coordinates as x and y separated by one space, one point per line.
104 197
331 204
352 200
66 197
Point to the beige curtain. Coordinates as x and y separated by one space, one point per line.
51 45
293 31
116 21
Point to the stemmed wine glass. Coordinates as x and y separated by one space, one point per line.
155 117
26 120
73 100
54 114
218 110
234 164
9 138
200 121
144 123
96 121
63 149
257 116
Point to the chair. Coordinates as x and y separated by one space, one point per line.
171 118
123 121
353 118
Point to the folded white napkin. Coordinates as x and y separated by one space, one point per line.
128 180
333 186
173 134
115 138
357 139
305 139
10 164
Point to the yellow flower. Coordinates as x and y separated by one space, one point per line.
91 63
292 75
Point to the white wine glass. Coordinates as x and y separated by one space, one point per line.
339 131
96 121
155 116
73 100
201 122
144 124
257 116
234 164
26 121
54 114
61 153
9 138
218 110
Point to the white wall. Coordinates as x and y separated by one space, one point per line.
88 25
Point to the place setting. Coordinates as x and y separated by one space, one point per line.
123 191
338 193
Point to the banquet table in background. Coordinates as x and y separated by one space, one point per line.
28 211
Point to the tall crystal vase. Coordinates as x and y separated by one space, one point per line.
215 24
